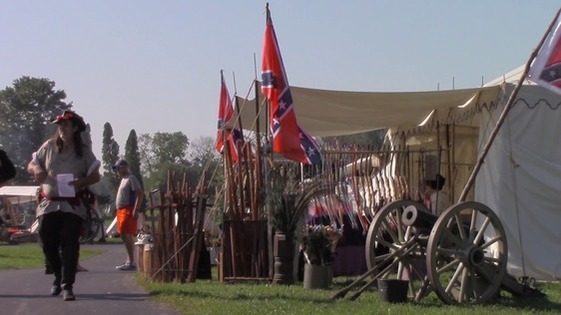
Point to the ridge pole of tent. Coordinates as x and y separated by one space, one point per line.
502 118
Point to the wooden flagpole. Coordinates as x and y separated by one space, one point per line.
502 118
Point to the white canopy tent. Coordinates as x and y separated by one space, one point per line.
335 113
20 194
520 179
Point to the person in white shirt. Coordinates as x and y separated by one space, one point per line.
434 197
64 167
128 201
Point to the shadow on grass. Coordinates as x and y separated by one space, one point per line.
538 303
535 303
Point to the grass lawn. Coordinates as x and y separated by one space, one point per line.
29 255
213 297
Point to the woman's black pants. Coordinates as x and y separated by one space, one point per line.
60 233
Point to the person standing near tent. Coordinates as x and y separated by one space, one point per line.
128 201
64 167
433 196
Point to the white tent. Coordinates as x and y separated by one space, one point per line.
521 181
20 194
335 113
521 177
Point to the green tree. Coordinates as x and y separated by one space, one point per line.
374 138
170 148
204 157
27 108
147 159
110 152
164 152
132 155
201 151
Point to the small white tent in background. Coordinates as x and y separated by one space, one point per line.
20 203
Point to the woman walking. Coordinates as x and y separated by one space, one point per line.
64 167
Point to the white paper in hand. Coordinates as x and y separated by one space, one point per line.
63 184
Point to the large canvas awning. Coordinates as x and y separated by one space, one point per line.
335 113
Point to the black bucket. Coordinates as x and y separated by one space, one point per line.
393 290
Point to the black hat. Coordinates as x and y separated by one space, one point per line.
76 119
119 164
437 183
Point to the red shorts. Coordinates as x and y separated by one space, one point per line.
126 222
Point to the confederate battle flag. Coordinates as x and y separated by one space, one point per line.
289 139
546 68
225 115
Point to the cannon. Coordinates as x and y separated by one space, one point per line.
461 255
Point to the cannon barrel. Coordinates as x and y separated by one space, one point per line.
418 218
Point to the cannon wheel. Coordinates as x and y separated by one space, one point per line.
467 254
386 235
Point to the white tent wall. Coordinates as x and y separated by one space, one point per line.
521 181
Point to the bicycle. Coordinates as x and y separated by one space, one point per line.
91 226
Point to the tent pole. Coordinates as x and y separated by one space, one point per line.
502 118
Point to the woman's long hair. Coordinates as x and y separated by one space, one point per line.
78 143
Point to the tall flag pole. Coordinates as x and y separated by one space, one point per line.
289 139
225 133
509 103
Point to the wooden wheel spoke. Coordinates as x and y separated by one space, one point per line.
463 286
454 278
460 226
481 232
408 233
383 242
388 228
382 257
400 270
475 285
446 252
448 266
492 241
473 220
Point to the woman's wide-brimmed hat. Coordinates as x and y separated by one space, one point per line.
70 115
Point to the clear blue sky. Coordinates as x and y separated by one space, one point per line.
155 65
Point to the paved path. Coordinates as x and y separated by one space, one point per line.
101 290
